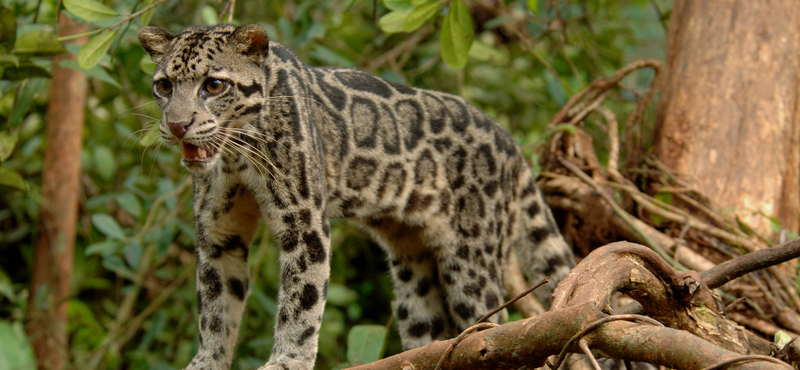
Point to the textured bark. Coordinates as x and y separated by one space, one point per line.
52 270
728 114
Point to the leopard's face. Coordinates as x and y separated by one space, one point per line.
209 85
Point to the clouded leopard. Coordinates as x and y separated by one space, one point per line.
436 182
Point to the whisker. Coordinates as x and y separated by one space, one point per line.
250 154
139 106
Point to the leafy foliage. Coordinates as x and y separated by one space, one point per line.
133 299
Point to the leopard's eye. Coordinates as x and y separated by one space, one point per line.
164 87
214 85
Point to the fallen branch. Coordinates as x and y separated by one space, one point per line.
729 270
679 300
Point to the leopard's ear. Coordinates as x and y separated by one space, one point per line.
156 41
251 40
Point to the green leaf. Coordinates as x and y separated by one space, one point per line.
365 344
147 65
94 72
164 238
40 42
95 48
782 339
8 28
105 163
90 10
144 19
398 4
340 295
24 70
209 15
533 5
330 57
108 226
393 22
485 53
157 324
8 140
12 179
133 254
420 14
27 91
130 203
115 264
8 60
457 35
164 186
16 352
105 248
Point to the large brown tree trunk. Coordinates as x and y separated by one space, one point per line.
52 270
728 113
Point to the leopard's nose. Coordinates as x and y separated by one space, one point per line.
179 128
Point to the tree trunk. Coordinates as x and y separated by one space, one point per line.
728 114
52 272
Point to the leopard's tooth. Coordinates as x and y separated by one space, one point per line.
202 152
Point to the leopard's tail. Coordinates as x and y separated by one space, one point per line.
540 247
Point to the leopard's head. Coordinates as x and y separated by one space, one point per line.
209 83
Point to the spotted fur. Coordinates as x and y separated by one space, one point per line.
440 185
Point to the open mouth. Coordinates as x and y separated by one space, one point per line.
194 153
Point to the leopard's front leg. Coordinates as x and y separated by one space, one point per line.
304 234
226 217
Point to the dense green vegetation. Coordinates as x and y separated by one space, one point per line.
133 297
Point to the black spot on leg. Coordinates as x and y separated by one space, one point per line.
555 261
405 274
491 300
203 323
463 252
305 217
492 272
316 251
466 311
283 317
238 288
418 329
309 297
534 209
289 240
306 334
211 280
448 278
423 287
215 325
539 234
402 312
437 327
472 289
